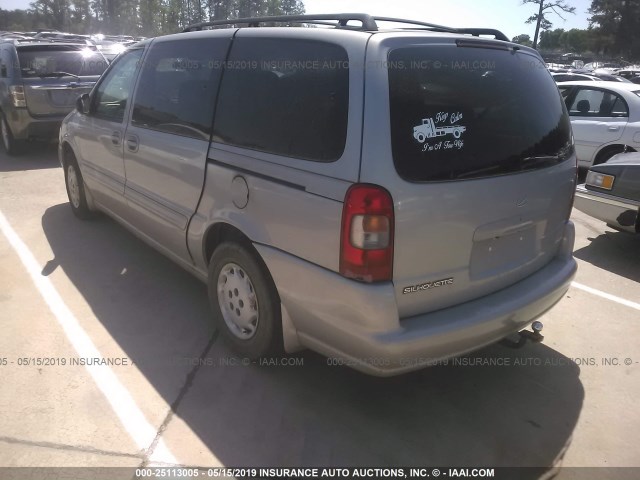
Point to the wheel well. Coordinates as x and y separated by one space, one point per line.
223 232
605 153
67 151
2 115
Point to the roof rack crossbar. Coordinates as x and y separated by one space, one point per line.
342 19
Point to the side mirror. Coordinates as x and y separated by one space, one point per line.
82 103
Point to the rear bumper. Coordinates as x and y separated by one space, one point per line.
357 325
620 213
24 126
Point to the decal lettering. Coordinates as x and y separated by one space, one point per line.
441 125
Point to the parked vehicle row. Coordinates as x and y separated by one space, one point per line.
389 217
109 45
582 75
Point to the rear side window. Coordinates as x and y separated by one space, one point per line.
285 97
459 112
597 103
177 87
56 60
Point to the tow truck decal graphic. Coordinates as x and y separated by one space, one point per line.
443 124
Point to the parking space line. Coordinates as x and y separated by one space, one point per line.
121 401
608 296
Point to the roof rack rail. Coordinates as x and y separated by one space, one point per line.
476 32
433 26
341 20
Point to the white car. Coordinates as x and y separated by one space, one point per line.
605 117
573 77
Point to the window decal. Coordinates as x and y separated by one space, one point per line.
442 125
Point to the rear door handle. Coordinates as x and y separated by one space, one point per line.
115 138
132 143
614 129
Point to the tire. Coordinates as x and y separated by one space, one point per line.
456 133
75 189
421 137
10 144
244 301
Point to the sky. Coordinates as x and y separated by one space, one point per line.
505 15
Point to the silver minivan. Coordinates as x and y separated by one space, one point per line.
387 197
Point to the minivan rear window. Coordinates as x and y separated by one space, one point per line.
47 60
460 113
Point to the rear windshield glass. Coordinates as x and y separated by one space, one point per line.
44 62
459 112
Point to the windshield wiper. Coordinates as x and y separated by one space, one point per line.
529 162
58 74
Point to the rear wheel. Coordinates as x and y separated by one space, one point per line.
9 143
75 189
244 300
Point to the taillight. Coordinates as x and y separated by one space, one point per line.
17 96
366 250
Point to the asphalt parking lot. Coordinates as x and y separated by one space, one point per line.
76 292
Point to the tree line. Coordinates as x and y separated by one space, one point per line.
136 17
614 29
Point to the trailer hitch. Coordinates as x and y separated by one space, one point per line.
532 335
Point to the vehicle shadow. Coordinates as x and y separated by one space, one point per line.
616 252
32 156
496 407
582 174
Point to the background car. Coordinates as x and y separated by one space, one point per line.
587 75
611 192
572 77
39 84
605 117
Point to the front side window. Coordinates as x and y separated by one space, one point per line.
459 112
112 94
178 85
285 97
597 103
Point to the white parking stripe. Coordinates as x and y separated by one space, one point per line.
130 415
608 296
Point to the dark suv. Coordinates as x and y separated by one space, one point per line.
39 84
